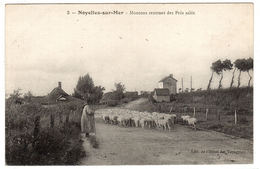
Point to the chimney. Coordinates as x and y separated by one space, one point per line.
171 75
59 85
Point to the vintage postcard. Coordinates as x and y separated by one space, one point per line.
129 84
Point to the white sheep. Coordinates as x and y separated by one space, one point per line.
121 120
131 118
184 118
136 119
164 123
192 121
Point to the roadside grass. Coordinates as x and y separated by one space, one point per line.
94 142
221 105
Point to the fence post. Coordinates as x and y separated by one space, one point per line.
218 115
207 114
67 117
194 111
36 129
60 116
52 120
171 110
235 116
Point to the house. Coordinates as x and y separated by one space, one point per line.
161 95
61 98
58 94
168 82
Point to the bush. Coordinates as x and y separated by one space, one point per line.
113 103
126 100
73 154
173 97
243 120
36 135
93 141
241 98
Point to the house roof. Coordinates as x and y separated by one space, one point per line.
61 98
167 77
57 92
162 92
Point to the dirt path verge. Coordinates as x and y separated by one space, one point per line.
136 146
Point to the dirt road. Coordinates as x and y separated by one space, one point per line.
130 146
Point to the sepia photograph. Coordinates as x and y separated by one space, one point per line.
129 84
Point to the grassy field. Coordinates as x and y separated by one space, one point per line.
221 105
43 135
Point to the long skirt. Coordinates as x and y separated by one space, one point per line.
88 123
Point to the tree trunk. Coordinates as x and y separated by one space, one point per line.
232 80
210 80
238 80
220 81
250 78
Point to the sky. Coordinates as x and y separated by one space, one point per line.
45 45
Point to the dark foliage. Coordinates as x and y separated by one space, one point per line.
93 141
33 136
86 90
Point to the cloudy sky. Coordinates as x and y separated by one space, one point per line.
44 45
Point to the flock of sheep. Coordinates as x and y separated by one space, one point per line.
132 118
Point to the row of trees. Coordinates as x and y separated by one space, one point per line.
86 90
240 65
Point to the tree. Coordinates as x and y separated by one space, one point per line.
28 96
232 79
15 97
86 90
226 65
241 65
216 67
249 66
120 88
199 89
84 86
97 94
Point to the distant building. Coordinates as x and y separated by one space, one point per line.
61 98
58 94
161 95
170 83
132 95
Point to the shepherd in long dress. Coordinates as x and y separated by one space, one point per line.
88 121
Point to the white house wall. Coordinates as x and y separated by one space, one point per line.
170 84
160 85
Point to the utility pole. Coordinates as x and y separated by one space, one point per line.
190 83
182 85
